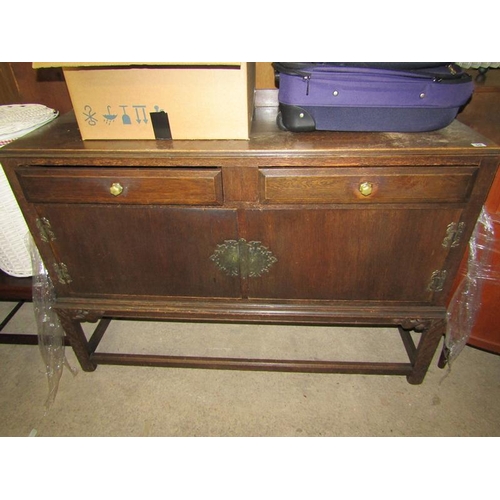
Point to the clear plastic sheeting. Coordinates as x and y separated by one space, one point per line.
466 301
50 331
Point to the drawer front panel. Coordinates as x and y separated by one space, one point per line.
373 185
122 186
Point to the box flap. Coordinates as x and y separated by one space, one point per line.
37 65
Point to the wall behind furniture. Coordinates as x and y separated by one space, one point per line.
21 84
483 111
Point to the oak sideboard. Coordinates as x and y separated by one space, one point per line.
287 228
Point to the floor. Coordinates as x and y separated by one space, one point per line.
463 400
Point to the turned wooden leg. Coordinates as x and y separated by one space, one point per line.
426 349
73 330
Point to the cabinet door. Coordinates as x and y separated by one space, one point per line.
369 254
139 250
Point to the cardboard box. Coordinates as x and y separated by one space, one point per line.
161 100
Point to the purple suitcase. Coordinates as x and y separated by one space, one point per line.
372 97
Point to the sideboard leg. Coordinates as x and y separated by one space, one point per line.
74 331
426 350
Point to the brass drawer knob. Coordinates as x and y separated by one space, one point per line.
116 189
366 188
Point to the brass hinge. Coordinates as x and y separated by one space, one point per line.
438 279
45 229
62 273
453 234
242 258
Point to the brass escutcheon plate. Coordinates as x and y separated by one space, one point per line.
242 258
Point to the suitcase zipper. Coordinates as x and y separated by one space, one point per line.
307 79
454 76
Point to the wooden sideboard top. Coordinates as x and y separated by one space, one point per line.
61 138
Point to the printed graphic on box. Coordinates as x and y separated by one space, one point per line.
136 115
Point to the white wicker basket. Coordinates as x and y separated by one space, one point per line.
15 121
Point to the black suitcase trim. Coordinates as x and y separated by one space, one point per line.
297 119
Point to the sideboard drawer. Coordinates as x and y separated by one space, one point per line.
153 186
373 185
